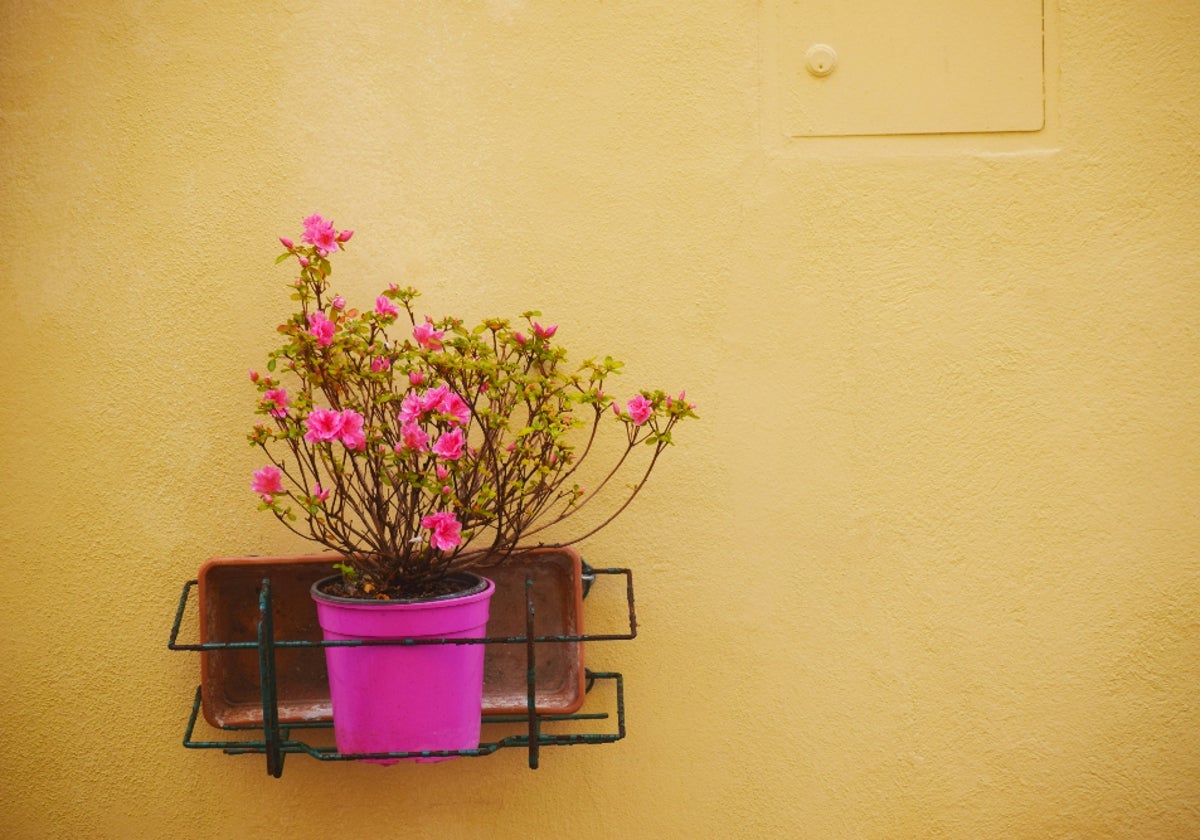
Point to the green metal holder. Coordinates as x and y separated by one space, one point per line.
278 742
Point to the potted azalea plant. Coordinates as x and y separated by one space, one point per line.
416 449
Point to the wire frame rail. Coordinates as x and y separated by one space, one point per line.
280 740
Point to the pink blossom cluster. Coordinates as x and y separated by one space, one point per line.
324 424
321 328
445 530
439 400
385 308
275 400
321 234
427 336
267 482
450 445
639 409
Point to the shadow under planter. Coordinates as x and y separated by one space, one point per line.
230 682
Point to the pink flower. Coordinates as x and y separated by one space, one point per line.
413 437
320 233
267 482
449 445
639 409
416 378
321 328
323 424
445 530
380 363
431 400
455 406
351 431
444 401
544 332
427 336
276 402
410 408
320 494
385 308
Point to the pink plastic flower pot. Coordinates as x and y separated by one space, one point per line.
406 698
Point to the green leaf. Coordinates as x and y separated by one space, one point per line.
348 572
271 365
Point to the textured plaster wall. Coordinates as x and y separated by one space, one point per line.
928 565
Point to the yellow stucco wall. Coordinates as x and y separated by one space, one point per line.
926 568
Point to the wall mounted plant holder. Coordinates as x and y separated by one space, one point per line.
285 657
230 682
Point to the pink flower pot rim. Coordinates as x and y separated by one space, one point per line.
477 587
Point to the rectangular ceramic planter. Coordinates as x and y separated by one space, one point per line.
228 595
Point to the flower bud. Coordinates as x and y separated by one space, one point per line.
287 243
345 235
416 378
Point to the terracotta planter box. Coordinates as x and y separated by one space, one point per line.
228 595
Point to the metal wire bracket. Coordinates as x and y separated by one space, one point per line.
278 741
